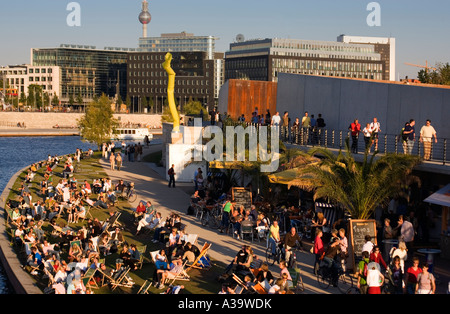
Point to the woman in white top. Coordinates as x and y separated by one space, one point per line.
367 131
401 252
374 278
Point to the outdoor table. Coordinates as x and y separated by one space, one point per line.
430 257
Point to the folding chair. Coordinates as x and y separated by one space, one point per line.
198 263
241 287
144 288
89 280
260 289
297 280
121 279
182 275
141 249
192 238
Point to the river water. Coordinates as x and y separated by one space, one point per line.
19 152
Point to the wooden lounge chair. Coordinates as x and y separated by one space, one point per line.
121 279
144 288
141 249
198 263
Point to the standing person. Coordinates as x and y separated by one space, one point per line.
343 247
286 121
362 273
355 129
318 250
227 208
411 276
410 131
320 126
276 119
374 279
119 161
395 277
402 253
426 135
171 174
112 160
426 283
294 130
268 118
306 124
404 138
367 132
376 129
406 231
313 130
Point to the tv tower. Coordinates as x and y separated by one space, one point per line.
145 18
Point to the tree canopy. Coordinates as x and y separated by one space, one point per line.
358 187
441 76
97 124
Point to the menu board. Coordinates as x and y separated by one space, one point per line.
242 196
358 231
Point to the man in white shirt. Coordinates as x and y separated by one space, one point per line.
426 135
406 231
276 119
375 128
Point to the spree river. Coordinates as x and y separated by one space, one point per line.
19 152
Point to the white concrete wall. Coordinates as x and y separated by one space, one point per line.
340 101
46 120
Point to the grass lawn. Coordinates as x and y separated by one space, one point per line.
202 281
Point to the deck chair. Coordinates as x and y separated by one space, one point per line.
260 289
241 287
297 281
144 288
199 263
113 222
192 238
89 280
121 279
141 249
182 275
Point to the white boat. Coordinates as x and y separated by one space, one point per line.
132 134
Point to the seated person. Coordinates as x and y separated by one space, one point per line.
86 188
96 186
79 212
34 259
239 260
175 270
75 253
120 187
139 212
101 202
111 196
263 273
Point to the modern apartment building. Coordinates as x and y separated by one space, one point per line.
86 70
263 59
195 78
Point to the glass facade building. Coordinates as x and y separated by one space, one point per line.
85 70
264 59
179 42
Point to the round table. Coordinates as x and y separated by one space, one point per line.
430 257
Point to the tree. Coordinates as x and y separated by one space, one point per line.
98 124
358 187
55 100
195 108
441 76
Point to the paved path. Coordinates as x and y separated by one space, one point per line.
150 185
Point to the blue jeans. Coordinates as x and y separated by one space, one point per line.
410 145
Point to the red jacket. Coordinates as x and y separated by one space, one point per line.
355 128
318 246
377 259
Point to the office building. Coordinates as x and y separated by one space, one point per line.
195 78
383 45
179 42
86 70
263 59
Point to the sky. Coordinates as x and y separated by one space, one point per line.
420 28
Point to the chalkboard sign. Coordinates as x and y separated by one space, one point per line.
242 196
358 231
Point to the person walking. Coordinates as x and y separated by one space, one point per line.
318 250
171 174
426 283
355 129
119 161
367 131
112 160
426 135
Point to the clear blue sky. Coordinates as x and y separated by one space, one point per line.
420 28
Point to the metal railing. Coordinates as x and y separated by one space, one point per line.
387 143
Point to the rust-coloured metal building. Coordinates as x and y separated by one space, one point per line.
239 97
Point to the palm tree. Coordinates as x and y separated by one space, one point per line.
359 188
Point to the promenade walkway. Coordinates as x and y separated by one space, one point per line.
151 185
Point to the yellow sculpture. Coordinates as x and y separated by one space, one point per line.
170 92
